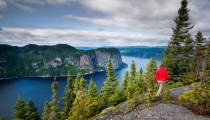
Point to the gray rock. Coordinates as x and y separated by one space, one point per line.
167 112
159 112
176 92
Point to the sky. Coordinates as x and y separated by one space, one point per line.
96 22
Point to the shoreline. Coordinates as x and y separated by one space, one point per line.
55 76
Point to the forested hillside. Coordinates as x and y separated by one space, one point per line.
33 60
143 51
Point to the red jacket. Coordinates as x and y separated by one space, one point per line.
161 74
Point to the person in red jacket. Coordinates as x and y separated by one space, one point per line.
161 76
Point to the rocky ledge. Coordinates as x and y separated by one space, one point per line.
159 112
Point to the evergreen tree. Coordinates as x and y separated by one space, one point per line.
68 97
130 89
31 111
125 80
110 84
19 109
54 115
186 60
180 42
77 111
149 77
47 110
200 47
133 71
80 83
141 71
201 55
91 100
208 57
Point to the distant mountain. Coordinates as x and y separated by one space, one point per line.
143 51
137 51
35 61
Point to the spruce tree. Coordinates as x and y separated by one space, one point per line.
201 56
110 84
173 55
31 111
186 60
133 71
208 57
149 79
19 109
80 83
125 81
47 110
91 100
130 89
77 111
68 97
54 115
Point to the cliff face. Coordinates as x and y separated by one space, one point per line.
34 60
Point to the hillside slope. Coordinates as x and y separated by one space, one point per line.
35 61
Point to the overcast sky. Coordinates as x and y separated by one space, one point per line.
96 22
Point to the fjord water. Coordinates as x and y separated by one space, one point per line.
38 89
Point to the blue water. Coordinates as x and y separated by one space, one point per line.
39 89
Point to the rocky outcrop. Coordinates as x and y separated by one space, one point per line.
160 112
34 60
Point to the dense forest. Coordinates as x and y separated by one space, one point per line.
186 58
35 61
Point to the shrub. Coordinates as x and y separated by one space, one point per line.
198 95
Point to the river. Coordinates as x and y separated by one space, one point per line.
38 89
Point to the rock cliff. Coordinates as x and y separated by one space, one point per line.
33 60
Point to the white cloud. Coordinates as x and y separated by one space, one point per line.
3 6
24 7
49 2
144 15
52 36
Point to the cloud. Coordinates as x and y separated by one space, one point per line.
74 37
24 7
144 15
49 2
3 8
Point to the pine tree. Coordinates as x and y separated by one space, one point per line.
91 100
47 110
54 115
68 97
173 55
19 109
110 84
31 111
